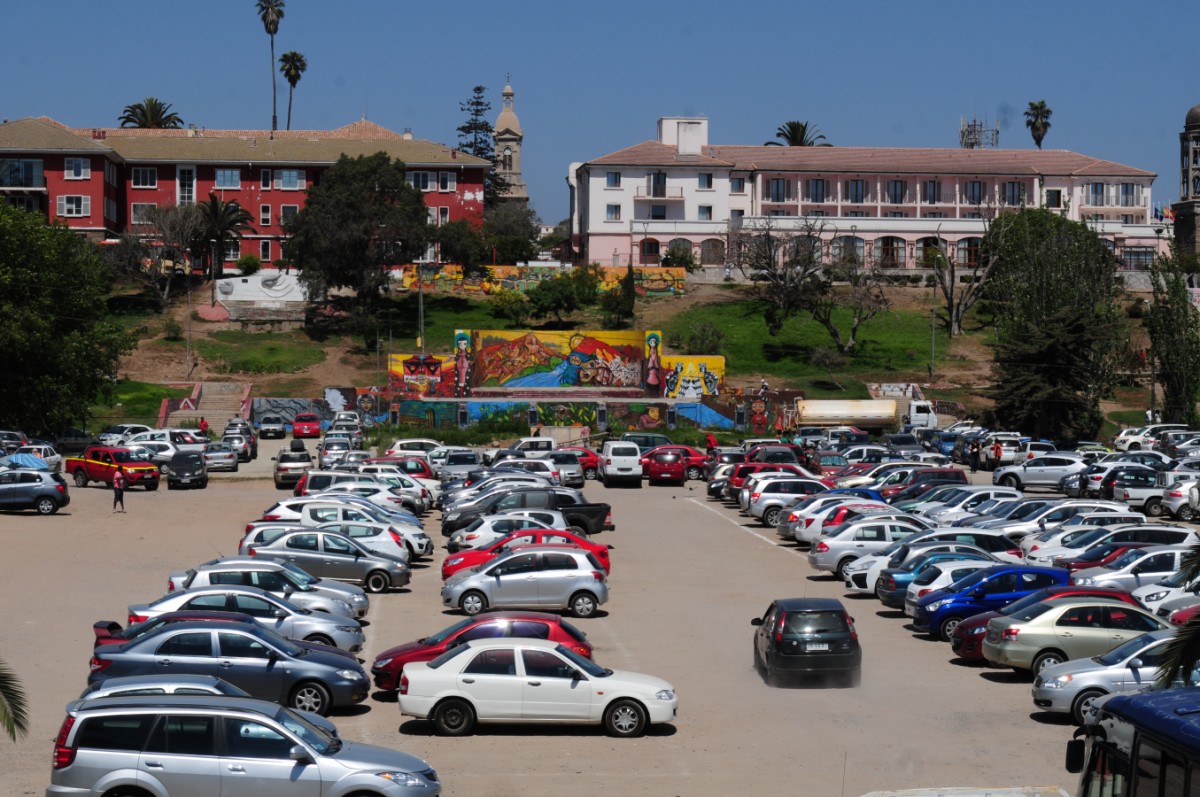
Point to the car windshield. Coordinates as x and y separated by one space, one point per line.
130 456
315 737
970 581
955 497
1126 559
938 494
301 585
298 574
1177 579
902 440
1124 651
186 458
815 622
462 458
1085 539
926 576
587 665
441 636
1026 511
1029 612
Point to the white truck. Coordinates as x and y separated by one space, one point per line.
530 447
870 415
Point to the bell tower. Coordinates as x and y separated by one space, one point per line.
508 136
1187 209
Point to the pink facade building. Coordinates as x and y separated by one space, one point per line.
101 181
887 205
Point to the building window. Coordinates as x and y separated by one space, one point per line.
233 249
1095 194
185 185
779 213
77 168
264 250
265 180
650 250
264 215
931 192
857 214
929 252
891 252
443 215
30 203
139 212
968 251
1014 193
973 215
420 181
229 178
289 179
1053 197
848 249
612 180
973 193
779 190
816 190
612 213
288 212
856 191
712 252
816 213
935 214
447 182
656 182
21 174
144 177
658 212
1139 257
897 192
507 161
705 181
895 214
705 213
737 185
74 206
737 214
1131 195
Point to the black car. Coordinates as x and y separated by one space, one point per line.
74 441
41 490
186 469
806 637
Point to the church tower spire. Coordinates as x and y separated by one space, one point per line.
508 136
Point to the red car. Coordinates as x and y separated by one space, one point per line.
477 556
967 639
1181 616
537 625
589 460
665 466
306 425
414 466
695 462
1098 556
110 632
830 462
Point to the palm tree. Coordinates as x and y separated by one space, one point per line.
223 222
270 12
798 134
14 717
292 64
150 112
1183 651
1037 119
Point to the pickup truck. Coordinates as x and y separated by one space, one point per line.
99 464
529 447
591 518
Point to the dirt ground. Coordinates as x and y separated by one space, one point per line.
688 576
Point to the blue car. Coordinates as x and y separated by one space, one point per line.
857 492
892 584
940 612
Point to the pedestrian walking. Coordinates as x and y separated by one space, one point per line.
203 426
711 441
1149 415
997 452
119 484
973 455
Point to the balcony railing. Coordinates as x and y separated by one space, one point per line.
666 194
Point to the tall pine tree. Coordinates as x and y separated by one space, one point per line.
475 138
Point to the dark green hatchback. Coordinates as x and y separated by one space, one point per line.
803 637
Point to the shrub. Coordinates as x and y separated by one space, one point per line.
172 329
249 264
511 305
705 338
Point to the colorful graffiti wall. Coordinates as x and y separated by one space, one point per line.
690 377
648 280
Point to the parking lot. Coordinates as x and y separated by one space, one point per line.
688 576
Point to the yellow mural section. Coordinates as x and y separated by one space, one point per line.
692 376
648 280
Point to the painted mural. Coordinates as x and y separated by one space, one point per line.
689 377
556 359
648 280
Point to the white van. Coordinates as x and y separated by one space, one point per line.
620 461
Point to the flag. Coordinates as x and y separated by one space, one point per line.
1168 214
1158 214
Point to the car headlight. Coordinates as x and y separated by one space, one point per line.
349 629
1155 596
343 606
451 516
383 662
453 560
1057 683
933 607
978 631
665 694
1085 582
404 778
350 675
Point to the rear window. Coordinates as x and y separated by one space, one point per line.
666 456
124 732
296 456
464 458
305 419
623 451
815 622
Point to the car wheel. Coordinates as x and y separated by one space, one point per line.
453 717
162 467
81 479
840 571
625 719
1186 513
775 679
310 696
1134 447
151 486
1011 481
46 506
319 639
771 516
412 552
758 662
694 474
472 603
583 604
577 531
235 466
879 589
1083 704
1047 658
1153 507
377 581
852 679
946 630
589 474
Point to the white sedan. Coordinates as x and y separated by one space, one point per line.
486 530
530 681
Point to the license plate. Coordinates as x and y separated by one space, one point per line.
811 646
185 481
910 610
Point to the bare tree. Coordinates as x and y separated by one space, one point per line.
781 266
852 285
161 250
961 276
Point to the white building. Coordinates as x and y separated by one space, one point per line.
636 204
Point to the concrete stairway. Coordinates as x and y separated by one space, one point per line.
219 401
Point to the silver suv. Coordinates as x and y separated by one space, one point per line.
116 745
558 578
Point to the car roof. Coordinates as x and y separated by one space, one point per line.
809 604
508 642
202 702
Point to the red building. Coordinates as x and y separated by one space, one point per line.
100 181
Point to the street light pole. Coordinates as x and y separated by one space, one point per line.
214 272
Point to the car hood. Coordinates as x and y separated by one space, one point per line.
624 679
325 650
1096 572
361 756
1076 668
460 576
338 589
316 655
405 651
978 620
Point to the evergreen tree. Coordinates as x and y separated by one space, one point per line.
475 138
1174 326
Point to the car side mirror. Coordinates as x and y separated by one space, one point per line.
298 753
272 656
756 621
576 675
280 614
1135 663
1075 750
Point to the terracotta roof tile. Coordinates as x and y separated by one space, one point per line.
45 135
652 153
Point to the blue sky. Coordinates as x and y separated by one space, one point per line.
592 77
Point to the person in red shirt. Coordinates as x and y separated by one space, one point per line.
711 441
119 489
203 426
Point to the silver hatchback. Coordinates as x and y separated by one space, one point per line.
530 578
